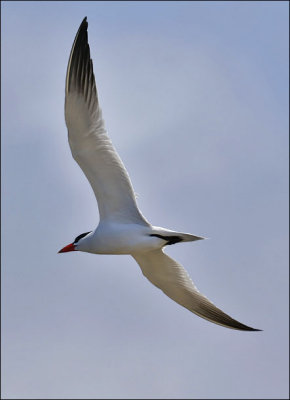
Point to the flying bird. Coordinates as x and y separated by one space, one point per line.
122 228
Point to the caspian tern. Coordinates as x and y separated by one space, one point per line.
122 228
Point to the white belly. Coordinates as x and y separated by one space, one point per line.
120 239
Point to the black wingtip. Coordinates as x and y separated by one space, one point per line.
84 24
249 329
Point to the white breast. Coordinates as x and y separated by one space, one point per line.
113 238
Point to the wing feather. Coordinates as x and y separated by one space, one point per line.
169 276
90 144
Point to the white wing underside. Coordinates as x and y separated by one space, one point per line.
169 276
90 145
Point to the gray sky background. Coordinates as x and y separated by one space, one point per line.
195 99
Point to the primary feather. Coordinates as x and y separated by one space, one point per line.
170 276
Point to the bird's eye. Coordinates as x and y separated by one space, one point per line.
81 236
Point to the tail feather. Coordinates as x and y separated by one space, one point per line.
187 237
172 237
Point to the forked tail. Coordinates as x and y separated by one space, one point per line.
172 237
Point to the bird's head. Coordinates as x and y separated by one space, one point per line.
74 246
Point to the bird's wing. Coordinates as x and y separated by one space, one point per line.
90 144
174 281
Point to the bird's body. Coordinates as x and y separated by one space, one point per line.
120 238
122 228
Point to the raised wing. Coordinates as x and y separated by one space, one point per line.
174 281
90 145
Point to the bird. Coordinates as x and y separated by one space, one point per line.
122 228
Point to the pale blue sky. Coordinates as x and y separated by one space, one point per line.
195 99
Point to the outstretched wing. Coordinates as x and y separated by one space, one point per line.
90 145
174 281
